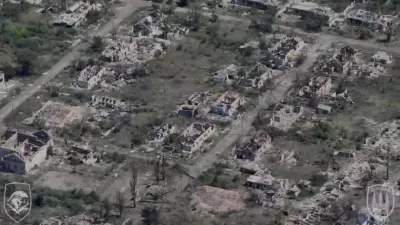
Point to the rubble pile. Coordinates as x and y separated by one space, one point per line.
386 139
55 114
207 200
285 116
375 67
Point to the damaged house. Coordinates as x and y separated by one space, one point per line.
258 4
226 75
191 107
159 133
227 104
90 76
195 135
317 87
22 151
148 25
341 62
253 148
256 77
310 10
286 52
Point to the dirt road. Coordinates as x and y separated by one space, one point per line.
121 14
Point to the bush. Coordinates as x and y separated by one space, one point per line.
183 3
113 157
317 180
70 199
311 24
97 44
93 16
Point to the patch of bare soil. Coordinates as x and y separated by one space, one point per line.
207 200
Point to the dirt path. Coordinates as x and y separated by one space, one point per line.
365 45
121 14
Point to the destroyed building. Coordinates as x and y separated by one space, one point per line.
317 87
107 102
132 50
341 62
373 21
226 75
261 180
253 148
310 10
371 70
285 116
286 52
148 25
90 76
56 115
256 77
195 135
74 14
258 4
159 133
191 107
22 151
227 104
381 57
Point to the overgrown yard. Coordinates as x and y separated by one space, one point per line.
28 42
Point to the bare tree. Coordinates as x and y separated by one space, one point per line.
163 167
157 170
119 202
105 205
133 184
387 161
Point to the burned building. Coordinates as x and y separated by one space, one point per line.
254 147
258 4
256 77
90 76
310 10
195 135
317 87
22 151
227 104
286 52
